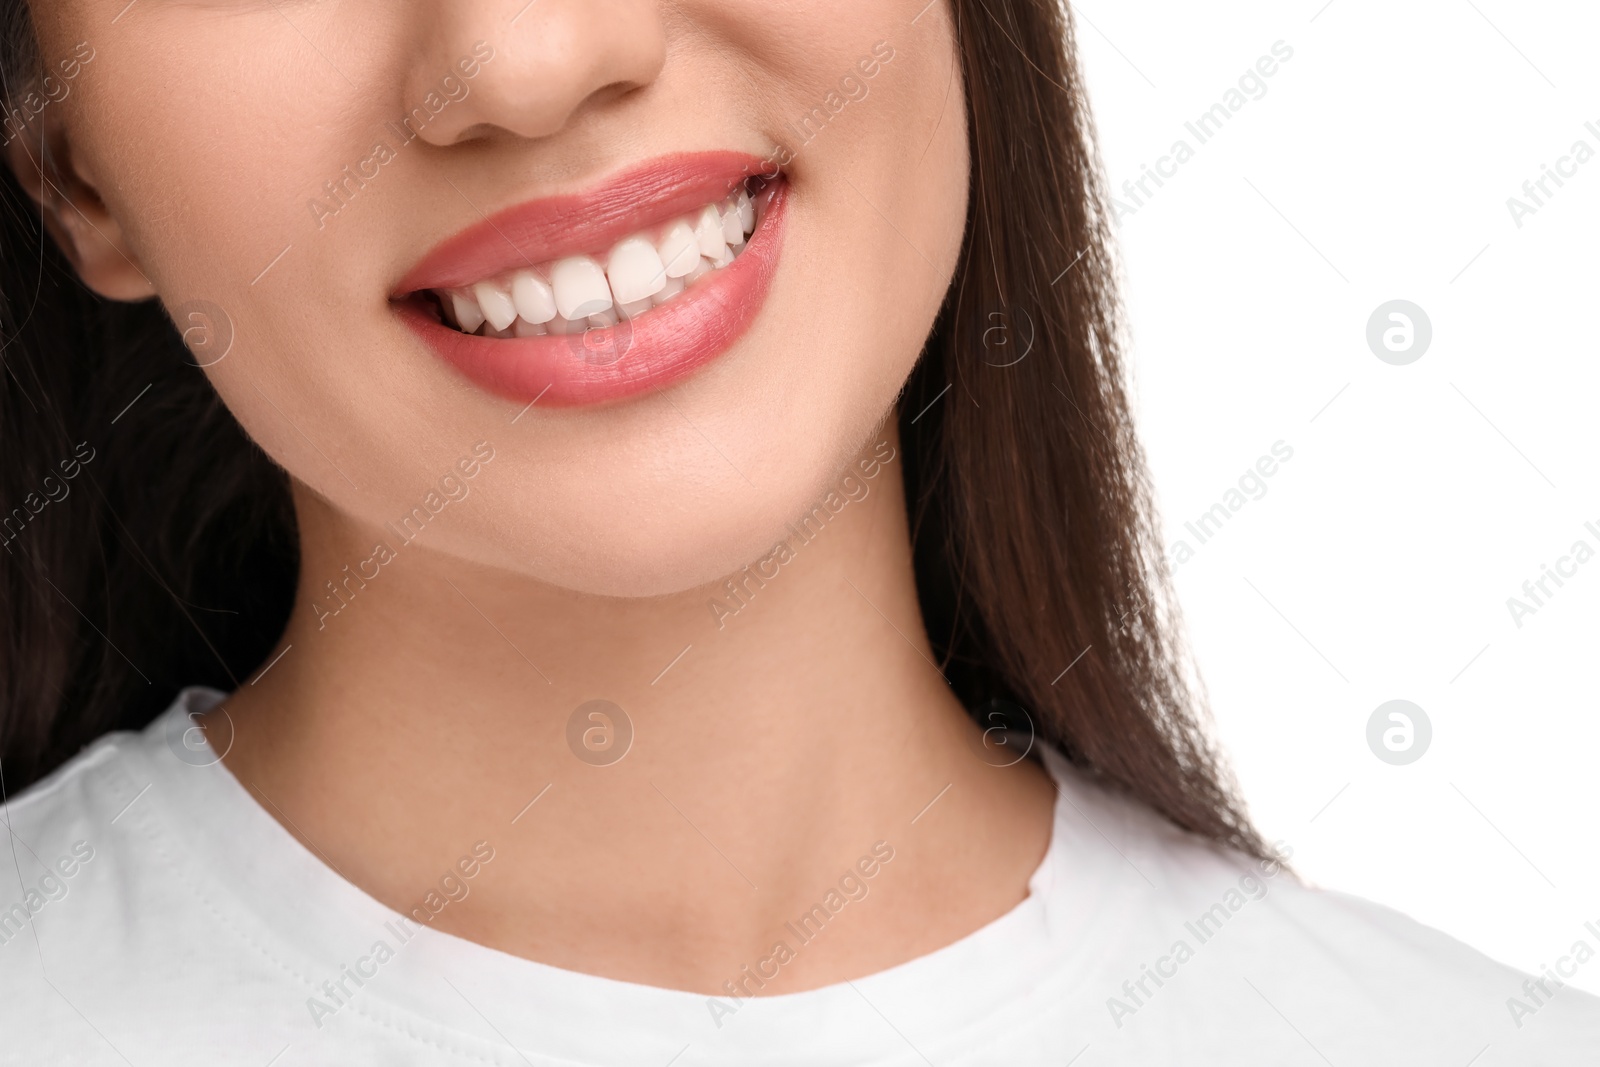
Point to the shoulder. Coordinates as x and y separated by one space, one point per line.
113 770
1199 937
55 823
85 861
64 836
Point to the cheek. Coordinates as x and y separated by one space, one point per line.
220 131
215 146
882 193
220 149
879 208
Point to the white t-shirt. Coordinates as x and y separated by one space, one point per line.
162 917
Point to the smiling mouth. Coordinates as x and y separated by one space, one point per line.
620 289
643 271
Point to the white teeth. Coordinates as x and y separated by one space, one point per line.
578 293
635 271
679 249
496 305
732 232
673 287
701 269
580 287
468 317
535 302
708 231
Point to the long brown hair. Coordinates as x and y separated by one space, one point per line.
1037 560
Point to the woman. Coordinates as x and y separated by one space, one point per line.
649 522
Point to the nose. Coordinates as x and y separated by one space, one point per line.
531 70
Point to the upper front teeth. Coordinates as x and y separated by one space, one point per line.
468 317
579 284
679 249
710 231
534 299
496 305
635 271
641 271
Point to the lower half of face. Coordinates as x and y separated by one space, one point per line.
668 265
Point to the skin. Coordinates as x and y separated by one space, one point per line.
432 708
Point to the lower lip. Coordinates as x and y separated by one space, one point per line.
662 346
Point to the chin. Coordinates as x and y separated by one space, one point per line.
664 548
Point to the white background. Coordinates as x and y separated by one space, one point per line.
1420 497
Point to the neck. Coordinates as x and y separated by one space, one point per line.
758 737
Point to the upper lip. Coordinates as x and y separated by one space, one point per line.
581 223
